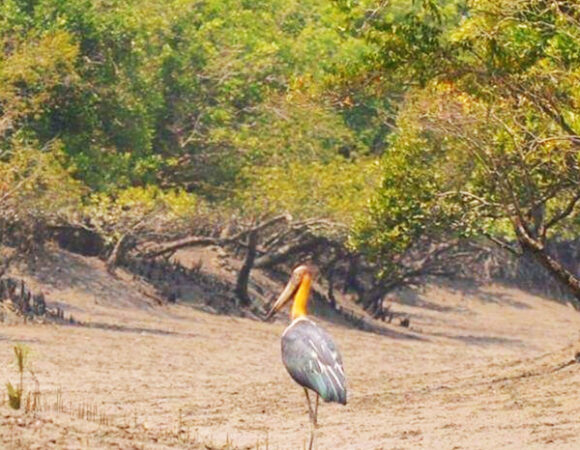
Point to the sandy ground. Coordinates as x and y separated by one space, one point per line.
479 368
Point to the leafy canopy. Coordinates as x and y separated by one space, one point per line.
489 144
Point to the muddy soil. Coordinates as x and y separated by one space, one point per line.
480 367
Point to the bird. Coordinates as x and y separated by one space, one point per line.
308 352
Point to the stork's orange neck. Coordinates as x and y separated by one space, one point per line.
301 297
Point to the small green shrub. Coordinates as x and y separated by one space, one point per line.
15 393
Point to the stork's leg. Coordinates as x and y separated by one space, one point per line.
316 411
310 412
312 418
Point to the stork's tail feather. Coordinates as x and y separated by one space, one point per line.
330 385
339 398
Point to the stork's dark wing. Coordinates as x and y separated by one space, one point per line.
312 359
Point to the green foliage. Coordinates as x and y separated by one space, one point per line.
31 70
337 190
488 143
188 95
36 184
139 210
138 114
399 213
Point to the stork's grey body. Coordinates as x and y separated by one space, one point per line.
313 360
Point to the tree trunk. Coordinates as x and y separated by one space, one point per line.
557 270
116 254
372 299
5 263
244 275
331 296
350 280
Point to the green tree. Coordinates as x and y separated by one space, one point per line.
489 145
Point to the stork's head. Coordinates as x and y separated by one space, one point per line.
298 288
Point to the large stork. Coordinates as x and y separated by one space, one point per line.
308 352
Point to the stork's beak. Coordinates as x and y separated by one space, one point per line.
286 294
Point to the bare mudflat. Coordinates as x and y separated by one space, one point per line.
485 367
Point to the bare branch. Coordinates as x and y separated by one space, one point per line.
503 244
200 241
287 251
562 214
191 241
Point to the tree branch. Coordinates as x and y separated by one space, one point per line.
562 214
287 251
201 241
503 244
